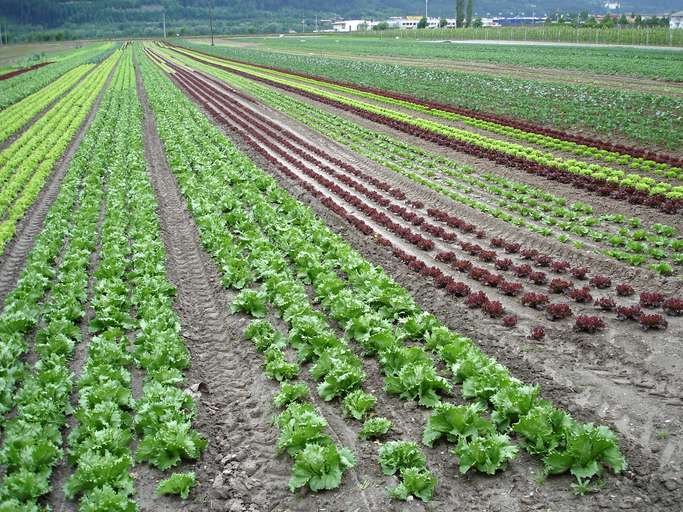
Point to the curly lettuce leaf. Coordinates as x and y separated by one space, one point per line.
177 483
320 467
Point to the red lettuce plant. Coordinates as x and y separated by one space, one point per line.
558 312
458 289
601 282
463 265
510 288
625 290
476 300
581 295
522 270
503 263
535 300
651 299
529 254
537 333
509 320
652 321
589 324
559 266
543 260
445 256
538 277
629 312
606 303
558 285
487 255
579 272
512 247
493 308
673 307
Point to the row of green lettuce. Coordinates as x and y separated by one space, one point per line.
227 194
129 296
646 119
611 175
17 115
27 163
542 141
625 239
51 297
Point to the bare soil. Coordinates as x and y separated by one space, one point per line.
614 378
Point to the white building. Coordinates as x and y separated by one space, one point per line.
353 25
676 20
489 22
410 22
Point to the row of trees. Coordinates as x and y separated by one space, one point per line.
583 19
463 15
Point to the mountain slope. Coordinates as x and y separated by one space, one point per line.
143 17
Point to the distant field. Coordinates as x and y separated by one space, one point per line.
18 55
577 104
659 64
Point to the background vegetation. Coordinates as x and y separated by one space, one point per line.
69 19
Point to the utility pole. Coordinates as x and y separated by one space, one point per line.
164 24
0 34
427 11
211 20
316 22
303 26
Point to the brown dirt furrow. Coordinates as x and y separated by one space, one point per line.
599 203
654 348
576 371
239 470
13 259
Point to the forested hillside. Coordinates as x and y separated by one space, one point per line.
28 19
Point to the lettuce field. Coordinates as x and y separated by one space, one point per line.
231 280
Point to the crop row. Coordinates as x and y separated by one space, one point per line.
377 314
26 164
477 95
501 151
638 159
130 273
17 115
33 438
130 278
516 203
251 123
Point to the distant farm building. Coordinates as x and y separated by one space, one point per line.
408 22
353 25
676 20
